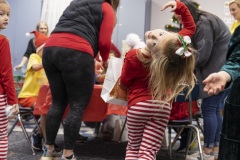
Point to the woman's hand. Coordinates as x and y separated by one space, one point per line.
105 64
172 4
216 82
98 67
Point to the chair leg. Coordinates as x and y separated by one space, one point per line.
120 137
13 126
97 128
25 133
37 122
199 140
169 142
176 137
200 126
188 142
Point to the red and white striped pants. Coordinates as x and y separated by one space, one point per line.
146 122
3 128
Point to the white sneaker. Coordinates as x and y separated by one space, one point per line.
208 156
215 155
196 156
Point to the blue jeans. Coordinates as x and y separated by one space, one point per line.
212 119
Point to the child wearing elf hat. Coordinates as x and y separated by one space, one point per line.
35 77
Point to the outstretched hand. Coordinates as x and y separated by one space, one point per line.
216 82
172 4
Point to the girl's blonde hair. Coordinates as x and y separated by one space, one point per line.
236 1
169 71
4 1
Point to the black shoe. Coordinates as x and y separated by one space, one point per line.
37 141
81 139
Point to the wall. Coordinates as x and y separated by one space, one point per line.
160 18
26 13
24 16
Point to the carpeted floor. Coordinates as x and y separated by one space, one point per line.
93 149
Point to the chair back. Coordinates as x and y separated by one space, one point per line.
182 97
193 96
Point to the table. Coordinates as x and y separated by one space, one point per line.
96 111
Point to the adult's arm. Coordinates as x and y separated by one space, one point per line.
30 48
216 82
232 66
106 30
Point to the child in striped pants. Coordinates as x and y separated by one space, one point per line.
7 90
153 76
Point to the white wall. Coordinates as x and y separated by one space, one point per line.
160 18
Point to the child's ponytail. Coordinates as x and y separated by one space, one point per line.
169 70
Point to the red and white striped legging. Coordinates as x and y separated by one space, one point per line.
3 128
146 122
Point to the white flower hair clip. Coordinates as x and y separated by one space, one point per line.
183 51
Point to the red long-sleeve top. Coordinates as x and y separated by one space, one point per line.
135 75
6 73
72 41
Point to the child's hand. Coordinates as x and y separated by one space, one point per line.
15 109
11 109
18 67
172 4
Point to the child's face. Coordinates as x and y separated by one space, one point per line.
158 36
4 15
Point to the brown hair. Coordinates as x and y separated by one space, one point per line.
168 71
114 4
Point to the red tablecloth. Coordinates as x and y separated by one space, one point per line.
96 111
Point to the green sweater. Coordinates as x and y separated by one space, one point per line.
232 65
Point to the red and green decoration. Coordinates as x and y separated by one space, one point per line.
173 28
177 27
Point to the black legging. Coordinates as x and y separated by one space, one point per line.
71 77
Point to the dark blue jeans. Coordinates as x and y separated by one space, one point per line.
71 78
212 119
